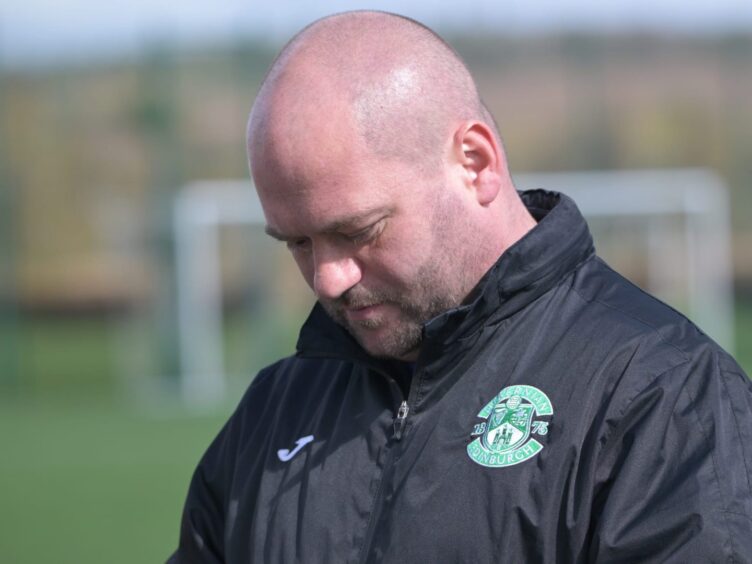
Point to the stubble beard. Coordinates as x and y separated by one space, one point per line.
437 286
403 337
440 284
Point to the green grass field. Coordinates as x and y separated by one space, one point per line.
90 477
90 482
743 330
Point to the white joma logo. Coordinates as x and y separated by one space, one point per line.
286 455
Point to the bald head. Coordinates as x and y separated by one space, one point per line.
377 164
388 82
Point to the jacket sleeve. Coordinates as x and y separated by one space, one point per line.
675 470
202 524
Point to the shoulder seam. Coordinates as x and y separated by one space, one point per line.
652 329
639 391
736 420
723 510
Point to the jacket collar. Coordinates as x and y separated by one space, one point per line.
526 270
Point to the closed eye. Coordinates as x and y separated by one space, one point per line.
365 235
299 244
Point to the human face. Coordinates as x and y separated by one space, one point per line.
377 247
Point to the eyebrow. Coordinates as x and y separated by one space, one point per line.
335 225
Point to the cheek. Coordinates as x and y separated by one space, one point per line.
399 256
397 270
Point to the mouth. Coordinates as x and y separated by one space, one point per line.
363 313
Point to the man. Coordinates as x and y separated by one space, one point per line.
474 384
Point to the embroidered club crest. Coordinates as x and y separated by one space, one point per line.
511 418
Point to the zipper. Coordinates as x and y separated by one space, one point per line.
399 421
398 430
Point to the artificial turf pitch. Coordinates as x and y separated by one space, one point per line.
89 482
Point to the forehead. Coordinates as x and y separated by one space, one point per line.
295 205
312 167
303 114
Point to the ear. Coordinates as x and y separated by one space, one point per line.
479 155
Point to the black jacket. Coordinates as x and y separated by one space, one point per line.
563 416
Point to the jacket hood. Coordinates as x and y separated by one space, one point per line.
525 271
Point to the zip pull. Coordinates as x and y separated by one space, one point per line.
399 422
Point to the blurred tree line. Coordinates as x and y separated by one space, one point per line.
91 155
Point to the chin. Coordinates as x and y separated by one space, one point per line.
403 345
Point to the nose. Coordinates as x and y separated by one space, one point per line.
334 276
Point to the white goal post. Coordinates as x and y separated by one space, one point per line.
696 196
700 199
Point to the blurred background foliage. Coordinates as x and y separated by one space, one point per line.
97 451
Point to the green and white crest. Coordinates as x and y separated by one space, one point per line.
511 418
